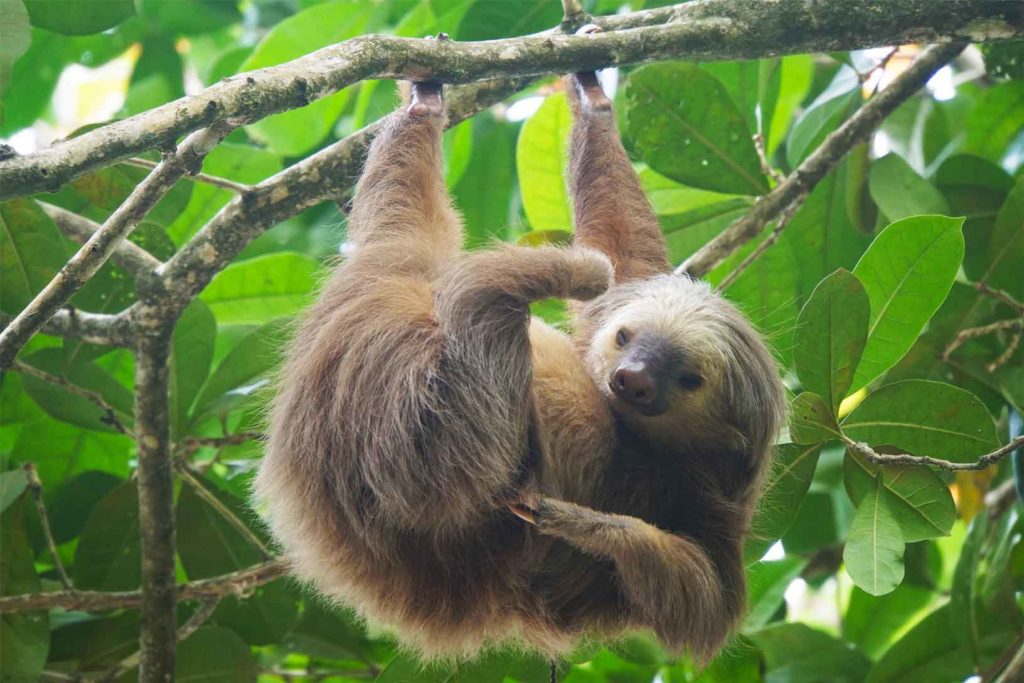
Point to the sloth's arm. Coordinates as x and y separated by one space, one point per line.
611 211
670 580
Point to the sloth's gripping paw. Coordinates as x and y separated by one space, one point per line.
591 273
427 97
588 88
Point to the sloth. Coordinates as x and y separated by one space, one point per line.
447 466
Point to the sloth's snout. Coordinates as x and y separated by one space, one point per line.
634 384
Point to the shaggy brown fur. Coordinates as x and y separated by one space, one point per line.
419 404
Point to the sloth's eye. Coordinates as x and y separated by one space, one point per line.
690 381
622 337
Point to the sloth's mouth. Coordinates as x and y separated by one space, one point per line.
646 409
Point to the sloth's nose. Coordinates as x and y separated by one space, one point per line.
633 383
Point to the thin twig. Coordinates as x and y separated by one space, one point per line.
110 417
965 335
1011 348
35 488
854 131
223 510
194 443
999 499
762 156
784 218
1003 296
203 612
101 245
224 183
985 461
1014 671
236 583
127 254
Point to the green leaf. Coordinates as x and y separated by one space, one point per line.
830 336
97 643
214 655
873 623
24 636
31 253
928 652
329 632
924 418
107 189
484 194
262 618
62 451
796 652
249 362
874 545
261 289
70 405
766 586
752 85
108 556
831 108
158 76
963 597
784 491
190 16
917 496
795 80
208 544
810 420
458 149
487 20
994 122
907 271
74 501
296 132
15 37
11 485
900 192
78 17
540 160
683 102
191 353
1006 249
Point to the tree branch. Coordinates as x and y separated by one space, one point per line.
854 131
985 461
99 247
215 181
35 488
93 328
703 30
236 583
230 517
110 417
127 255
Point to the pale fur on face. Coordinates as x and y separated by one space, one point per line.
740 399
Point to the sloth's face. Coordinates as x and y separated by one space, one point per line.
678 362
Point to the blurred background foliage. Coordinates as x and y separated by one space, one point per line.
857 572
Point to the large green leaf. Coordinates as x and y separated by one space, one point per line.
261 289
830 336
810 420
753 86
261 618
540 160
907 272
874 622
924 418
766 586
994 122
487 20
796 652
293 133
191 353
1006 249
900 192
190 16
208 544
15 38
485 192
682 102
795 79
24 636
11 485
72 502
31 253
829 109
874 545
61 450
917 496
78 17
108 556
784 491
158 76
214 655
928 652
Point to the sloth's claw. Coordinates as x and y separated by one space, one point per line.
526 509
588 88
426 98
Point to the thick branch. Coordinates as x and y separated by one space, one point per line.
702 30
854 131
102 244
93 328
128 255
236 583
156 506
984 462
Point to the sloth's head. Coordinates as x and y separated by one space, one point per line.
682 365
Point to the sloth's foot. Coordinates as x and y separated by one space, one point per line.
427 97
588 88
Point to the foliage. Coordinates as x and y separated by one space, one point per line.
865 289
